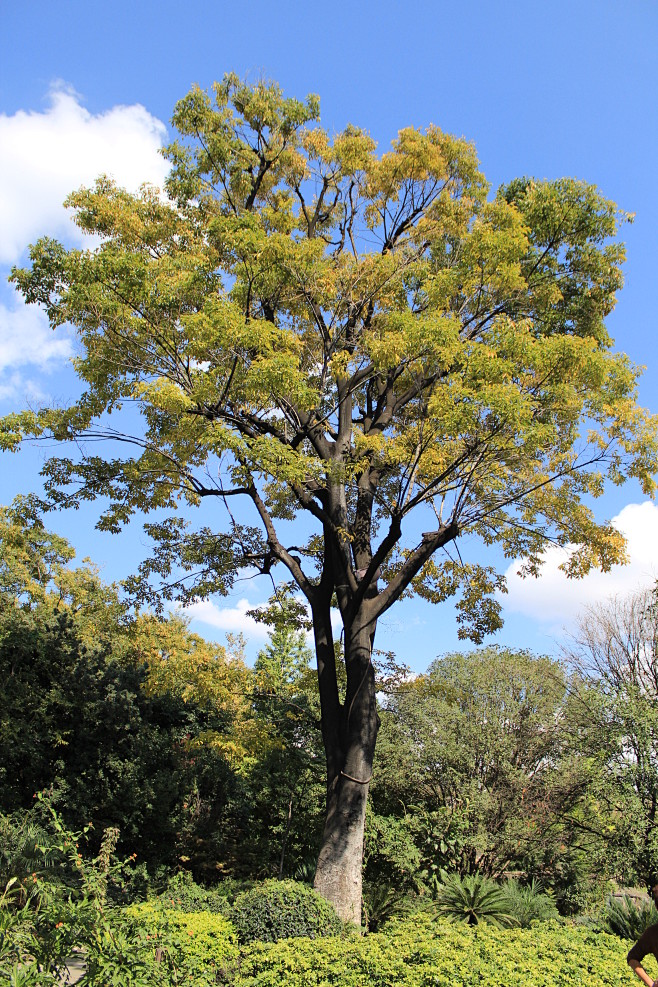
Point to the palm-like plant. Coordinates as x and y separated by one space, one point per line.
381 902
529 903
473 899
21 853
628 918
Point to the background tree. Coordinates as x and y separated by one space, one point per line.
288 777
361 340
483 756
616 645
134 723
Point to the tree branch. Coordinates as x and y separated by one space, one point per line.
277 549
414 563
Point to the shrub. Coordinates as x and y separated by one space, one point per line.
628 918
419 952
43 922
530 903
473 899
282 910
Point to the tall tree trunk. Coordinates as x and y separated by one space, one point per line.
349 769
338 873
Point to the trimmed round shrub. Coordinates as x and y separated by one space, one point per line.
283 910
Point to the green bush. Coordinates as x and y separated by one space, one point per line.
627 917
420 952
43 922
282 910
183 894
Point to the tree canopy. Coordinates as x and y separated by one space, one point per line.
616 646
368 341
301 314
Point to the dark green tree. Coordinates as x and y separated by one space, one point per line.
288 778
77 714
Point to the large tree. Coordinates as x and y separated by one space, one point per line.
366 350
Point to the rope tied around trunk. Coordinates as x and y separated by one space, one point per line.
358 781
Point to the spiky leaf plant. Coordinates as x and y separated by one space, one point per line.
529 903
382 902
473 899
627 917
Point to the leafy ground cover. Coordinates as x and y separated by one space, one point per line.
194 939
281 931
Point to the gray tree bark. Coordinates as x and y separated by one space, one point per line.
350 745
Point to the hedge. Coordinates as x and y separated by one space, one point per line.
426 953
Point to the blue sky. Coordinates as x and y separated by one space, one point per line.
541 89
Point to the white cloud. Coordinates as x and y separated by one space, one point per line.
236 620
554 599
49 154
26 338
229 619
17 388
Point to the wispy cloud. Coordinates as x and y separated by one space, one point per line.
231 620
26 338
15 387
27 341
235 619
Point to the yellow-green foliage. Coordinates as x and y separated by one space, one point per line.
416 952
195 937
422 953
